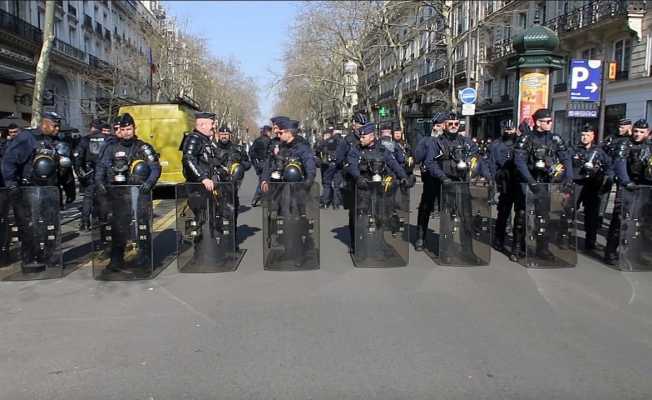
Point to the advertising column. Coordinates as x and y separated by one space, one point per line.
532 92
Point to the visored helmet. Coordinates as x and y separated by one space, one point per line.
139 171
293 171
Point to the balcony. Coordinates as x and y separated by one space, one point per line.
97 63
499 50
18 27
434 76
69 50
560 87
460 66
88 23
591 14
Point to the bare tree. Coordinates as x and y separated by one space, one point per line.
43 65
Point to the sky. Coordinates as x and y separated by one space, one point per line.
253 32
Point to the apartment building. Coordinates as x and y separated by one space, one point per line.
95 42
482 31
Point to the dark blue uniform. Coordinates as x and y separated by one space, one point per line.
297 150
116 158
258 154
357 154
592 173
445 153
86 156
503 172
331 174
430 191
631 168
350 142
536 156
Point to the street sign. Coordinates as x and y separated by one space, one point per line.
582 109
468 95
468 109
585 80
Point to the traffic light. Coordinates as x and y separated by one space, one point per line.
382 112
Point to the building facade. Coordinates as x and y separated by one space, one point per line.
481 33
101 56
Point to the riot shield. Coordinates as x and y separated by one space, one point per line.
39 229
9 240
122 238
464 225
206 228
636 230
291 226
381 226
550 237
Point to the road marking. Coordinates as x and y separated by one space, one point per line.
166 221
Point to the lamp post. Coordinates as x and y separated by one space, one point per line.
350 69
533 62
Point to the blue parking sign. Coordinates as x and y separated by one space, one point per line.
585 80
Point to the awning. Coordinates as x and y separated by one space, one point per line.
13 74
494 110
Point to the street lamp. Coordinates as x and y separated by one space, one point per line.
350 69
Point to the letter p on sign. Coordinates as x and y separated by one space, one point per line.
579 74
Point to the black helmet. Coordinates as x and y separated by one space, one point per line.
139 171
44 167
293 172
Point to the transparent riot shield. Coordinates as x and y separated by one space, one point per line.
381 226
206 228
9 240
550 237
464 225
291 226
122 237
38 225
636 230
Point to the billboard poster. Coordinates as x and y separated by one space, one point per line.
532 93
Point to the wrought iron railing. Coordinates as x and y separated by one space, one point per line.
69 50
20 28
499 50
589 14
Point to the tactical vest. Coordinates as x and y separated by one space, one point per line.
287 166
587 164
543 160
95 143
128 164
456 160
639 163
50 157
372 163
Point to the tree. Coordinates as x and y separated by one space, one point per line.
43 65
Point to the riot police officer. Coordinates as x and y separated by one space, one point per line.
258 156
503 172
34 158
592 175
540 156
449 158
85 160
431 184
331 176
351 141
126 161
632 167
294 160
612 143
404 152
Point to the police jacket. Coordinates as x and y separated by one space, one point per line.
450 156
33 158
542 157
611 144
501 162
633 163
374 159
258 153
326 150
297 152
87 153
131 162
350 142
591 164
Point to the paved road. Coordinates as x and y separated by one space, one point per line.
421 332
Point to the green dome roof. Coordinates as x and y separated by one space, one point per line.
536 38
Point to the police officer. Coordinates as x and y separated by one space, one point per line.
129 161
612 143
258 157
503 172
331 176
431 184
86 156
538 156
592 174
404 152
351 141
449 159
294 161
633 167
34 158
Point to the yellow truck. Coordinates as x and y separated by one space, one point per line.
163 126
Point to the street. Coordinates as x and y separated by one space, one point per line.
418 332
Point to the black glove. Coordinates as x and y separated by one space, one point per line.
101 189
631 186
362 183
145 188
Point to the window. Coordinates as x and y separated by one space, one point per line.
612 114
648 110
505 85
623 57
72 36
590 54
488 88
522 20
